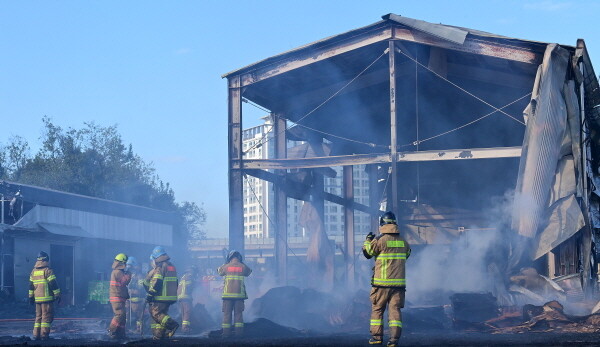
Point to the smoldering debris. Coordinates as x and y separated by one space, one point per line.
201 319
312 311
470 310
549 318
264 328
306 309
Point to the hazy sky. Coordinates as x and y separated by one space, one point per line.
154 67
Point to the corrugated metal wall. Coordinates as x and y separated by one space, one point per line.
102 226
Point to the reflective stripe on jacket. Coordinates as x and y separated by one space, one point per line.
186 287
42 283
162 280
119 279
234 273
390 251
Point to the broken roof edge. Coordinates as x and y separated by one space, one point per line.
419 25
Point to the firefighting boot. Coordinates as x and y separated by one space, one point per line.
158 331
171 327
375 340
37 331
185 327
226 332
239 329
392 343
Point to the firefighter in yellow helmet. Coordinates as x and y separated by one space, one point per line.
118 295
184 296
161 285
389 281
43 292
136 293
234 292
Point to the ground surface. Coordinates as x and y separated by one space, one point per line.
95 336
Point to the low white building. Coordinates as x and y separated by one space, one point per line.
81 234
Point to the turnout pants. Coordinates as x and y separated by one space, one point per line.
117 324
236 307
186 313
393 298
44 315
136 313
164 325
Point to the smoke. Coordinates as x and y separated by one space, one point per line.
436 271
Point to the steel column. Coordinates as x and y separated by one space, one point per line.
374 195
393 200
236 188
349 225
281 233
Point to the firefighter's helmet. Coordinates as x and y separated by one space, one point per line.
121 257
234 254
43 256
387 218
157 252
132 262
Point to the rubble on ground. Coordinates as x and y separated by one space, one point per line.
263 328
470 310
201 319
551 318
305 309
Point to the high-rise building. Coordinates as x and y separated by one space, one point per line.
259 199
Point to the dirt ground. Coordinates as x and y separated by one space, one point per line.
97 337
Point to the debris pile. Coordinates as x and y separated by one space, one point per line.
306 309
470 310
529 287
263 328
550 318
201 320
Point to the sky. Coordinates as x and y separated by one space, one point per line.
154 67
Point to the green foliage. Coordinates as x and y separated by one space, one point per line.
94 161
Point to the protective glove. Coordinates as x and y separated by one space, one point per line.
32 301
149 298
370 236
57 299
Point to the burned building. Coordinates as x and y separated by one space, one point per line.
81 234
450 122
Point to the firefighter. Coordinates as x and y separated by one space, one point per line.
184 296
43 292
234 292
118 295
136 293
388 282
161 285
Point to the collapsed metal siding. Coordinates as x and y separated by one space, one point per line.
546 125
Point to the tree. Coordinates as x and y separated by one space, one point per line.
94 161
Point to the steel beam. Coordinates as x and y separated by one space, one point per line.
374 196
349 225
393 127
306 57
365 159
236 189
473 45
297 187
281 234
